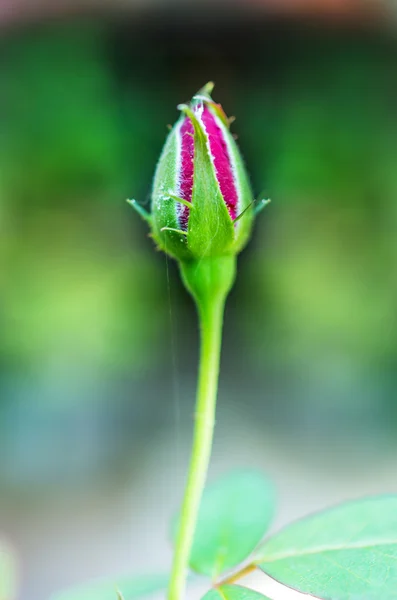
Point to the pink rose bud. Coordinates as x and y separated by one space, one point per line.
202 203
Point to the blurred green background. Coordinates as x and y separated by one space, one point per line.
98 344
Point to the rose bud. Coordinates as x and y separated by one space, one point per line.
202 203
202 212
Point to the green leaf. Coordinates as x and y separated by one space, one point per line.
233 592
129 587
7 573
347 553
235 513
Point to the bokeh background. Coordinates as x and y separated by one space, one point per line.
98 343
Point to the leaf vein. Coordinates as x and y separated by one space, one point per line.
322 550
350 571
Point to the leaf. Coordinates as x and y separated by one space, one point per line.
129 587
347 553
233 592
235 513
7 573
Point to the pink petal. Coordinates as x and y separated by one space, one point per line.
186 172
222 163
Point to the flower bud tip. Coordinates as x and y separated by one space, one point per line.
207 89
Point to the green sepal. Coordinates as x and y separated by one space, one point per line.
260 205
204 95
140 210
243 227
178 231
181 200
206 91
220 113
210 227
244 212
164 211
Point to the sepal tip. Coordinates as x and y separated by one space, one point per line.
261 205
207 89
140 210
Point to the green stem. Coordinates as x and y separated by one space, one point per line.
209 281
